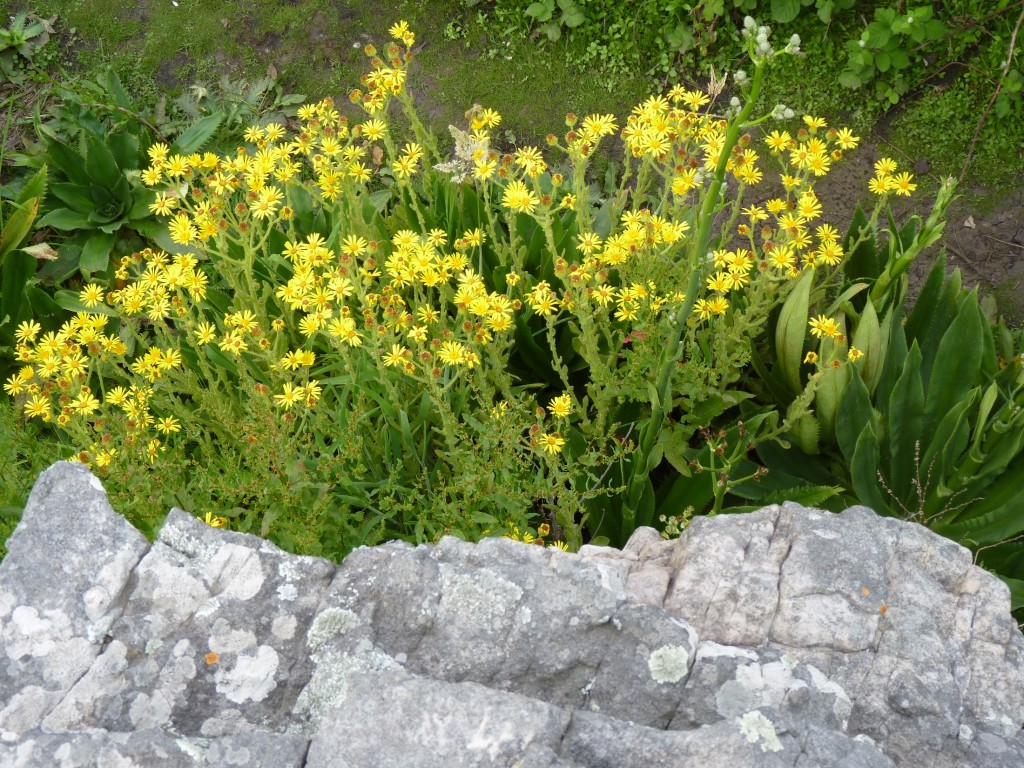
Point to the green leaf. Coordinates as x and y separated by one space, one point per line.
66 219
906 421
572 16
217 357
956 367
70 301
784 11
864 472
17 270
854 412
96 252
124 147
100 164
541 11
34 187
791 329
74 196
67 160
17 227
197 134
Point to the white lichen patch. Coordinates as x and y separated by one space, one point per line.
327 624
287 592
251 679
283 627
669 664
758 729
235 572
481 598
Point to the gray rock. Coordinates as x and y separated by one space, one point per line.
755 639
153 747
62 585
919 638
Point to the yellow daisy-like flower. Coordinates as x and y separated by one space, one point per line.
519 198
289 396
854 354
902 184
168 425
163 205
27 331
215 521
396 357
560 406
822 326
551 442
885 166
91 295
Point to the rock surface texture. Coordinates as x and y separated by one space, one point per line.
785 637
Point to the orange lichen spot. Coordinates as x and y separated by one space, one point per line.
865 591
212 658
884 609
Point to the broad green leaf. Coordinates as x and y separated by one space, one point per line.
906 420
100 164
65 218
784 11
791 330
67 160
17 270
96 252
868 339
853 414
75 196
864 472
957 365
70 301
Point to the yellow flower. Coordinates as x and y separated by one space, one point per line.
289 396
27 331
881 185
812 357
885 166
814 123
824 326
215 521
551 443
519 198
846 139
561 406
163 205
85 403
168 425
38 407
395 357
91 295
903 185
182 230
854 354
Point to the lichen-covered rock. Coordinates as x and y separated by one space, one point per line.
62 585
919 638
755 639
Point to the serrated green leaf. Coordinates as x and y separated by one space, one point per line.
196 135
17 227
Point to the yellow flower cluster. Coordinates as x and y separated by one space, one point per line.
887 180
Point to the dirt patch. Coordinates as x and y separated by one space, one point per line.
172 73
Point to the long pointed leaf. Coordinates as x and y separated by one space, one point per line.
906 421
